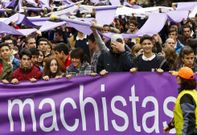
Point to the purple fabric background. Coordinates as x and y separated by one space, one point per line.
116 84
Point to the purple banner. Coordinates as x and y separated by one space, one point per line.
117 104
147 28
177 16
105 10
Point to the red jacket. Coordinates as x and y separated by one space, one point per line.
67 62
1 68
22 75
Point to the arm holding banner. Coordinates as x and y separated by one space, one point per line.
5 81
33 80
170 126
14 81
103 72
46 77
98 39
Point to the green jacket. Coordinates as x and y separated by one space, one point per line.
7 70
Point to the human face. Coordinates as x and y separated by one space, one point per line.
10 43
132 27
5 52
53 66
173 35
76 62
34 59
26 62
170 43
105 29
31 43
40 57
91 45
187 32
114 47
57 37
188 60
147 46
58 55
42 46
48 48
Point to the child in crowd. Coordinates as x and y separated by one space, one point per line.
149 61
187 59
6 66
26 71
79 65
52 69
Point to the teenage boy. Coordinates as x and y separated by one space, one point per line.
149 61
26 71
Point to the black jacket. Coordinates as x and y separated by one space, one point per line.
114 62
157 62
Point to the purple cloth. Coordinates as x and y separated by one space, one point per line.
115 2
45 3
132 6
147 28
33 19
81 26
32 2
186 5
101 12
33 9
2 10
68 9
67 2
6 29
124 35
50 25
20 6
117 104
27 32
39 23
19 19
95 1
177 16
152 26
12 3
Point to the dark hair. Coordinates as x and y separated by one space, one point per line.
145 37
4 44
27 39
133 22
172 30
62 47
106 25
7 38
34 51
91 37
25 52
187 84
59 32
171 57
47 70
78 54
186 26
42 39
186 50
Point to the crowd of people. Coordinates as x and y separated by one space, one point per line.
67 52
64 51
